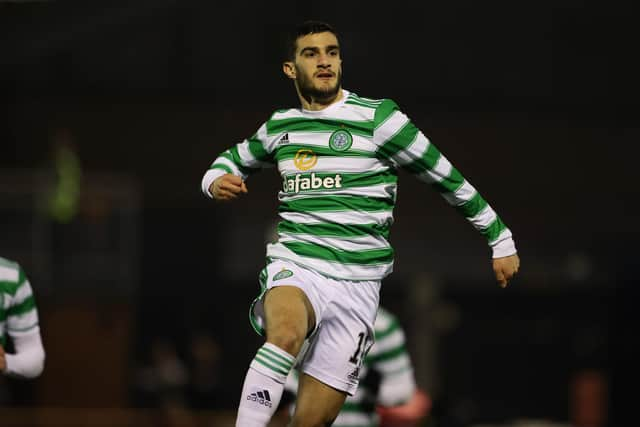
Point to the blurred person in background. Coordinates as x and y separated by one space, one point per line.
387 395
338 156
19 325
205 388
161 383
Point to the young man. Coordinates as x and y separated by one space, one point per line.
338 156
19 321
387 395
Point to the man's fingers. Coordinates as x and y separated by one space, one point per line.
235 188
234 179
223 194
230 186
500 277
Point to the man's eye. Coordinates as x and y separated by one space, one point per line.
309 54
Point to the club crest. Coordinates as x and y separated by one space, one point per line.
340 140
283 274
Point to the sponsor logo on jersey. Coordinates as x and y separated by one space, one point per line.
283 274
305 159
340 140
261 397
301 182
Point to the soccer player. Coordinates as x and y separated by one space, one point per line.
387 394
19 322
338 156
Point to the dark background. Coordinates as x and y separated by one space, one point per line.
536 104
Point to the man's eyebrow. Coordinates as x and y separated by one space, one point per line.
317 49
310 48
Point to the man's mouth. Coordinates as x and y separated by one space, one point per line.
324 75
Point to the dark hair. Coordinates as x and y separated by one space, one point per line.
307 27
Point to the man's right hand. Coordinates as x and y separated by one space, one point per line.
227 187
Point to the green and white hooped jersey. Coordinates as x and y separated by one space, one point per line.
18 313
339 177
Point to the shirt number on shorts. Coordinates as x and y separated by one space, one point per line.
354 358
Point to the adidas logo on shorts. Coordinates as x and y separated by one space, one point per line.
262 397
355 374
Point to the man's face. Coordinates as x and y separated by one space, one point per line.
318 67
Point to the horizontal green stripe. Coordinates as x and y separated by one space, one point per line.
287 152
368 101
400 141
301 124
383 112
257 149
386 355
269 352
473 207
335 230
336 204
9 286
398 370
28 304
229 156
427 162
394 326
26 328
361 103
233 155
364 257
492 232
451 183
267 364
274 360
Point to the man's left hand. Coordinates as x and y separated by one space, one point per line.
506 268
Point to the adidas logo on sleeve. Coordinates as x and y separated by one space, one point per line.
261 397
284 139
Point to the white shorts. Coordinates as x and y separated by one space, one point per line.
345 313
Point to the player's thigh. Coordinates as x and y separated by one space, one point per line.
288 314
317 404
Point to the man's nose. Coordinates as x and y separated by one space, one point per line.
323 61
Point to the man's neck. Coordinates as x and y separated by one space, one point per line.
316 105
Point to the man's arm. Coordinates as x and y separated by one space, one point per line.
28 359
225 178
405 146
22 328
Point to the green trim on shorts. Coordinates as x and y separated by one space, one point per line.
262 278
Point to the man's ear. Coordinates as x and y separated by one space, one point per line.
289 69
